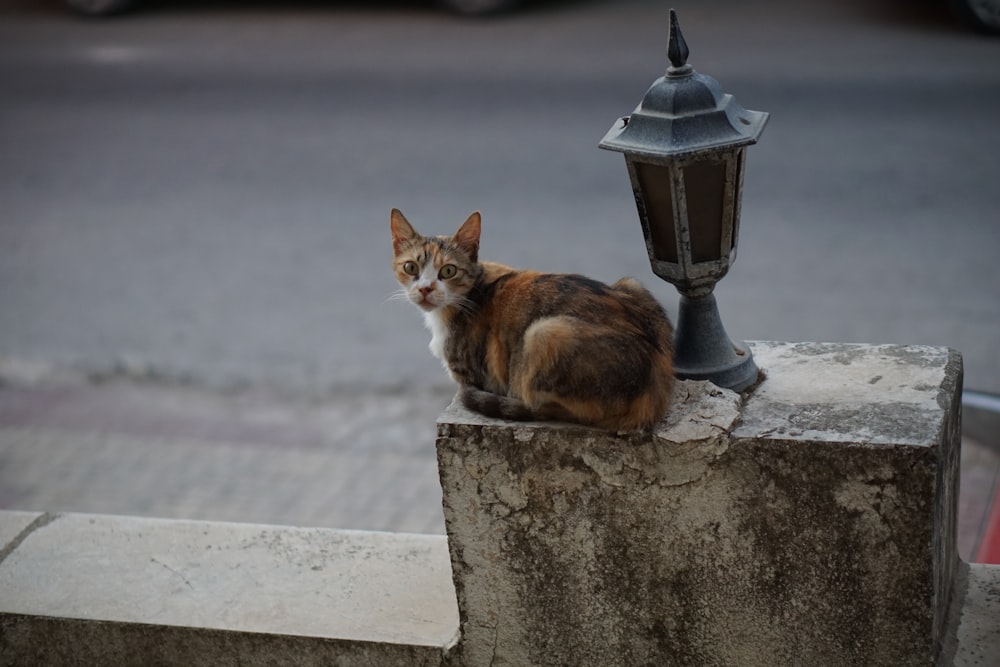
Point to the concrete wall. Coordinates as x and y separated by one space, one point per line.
810 522
79 589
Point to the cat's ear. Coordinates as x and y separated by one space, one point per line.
467 236
402 230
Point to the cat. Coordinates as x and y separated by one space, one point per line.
532 346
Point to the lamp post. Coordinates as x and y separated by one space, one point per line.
685 149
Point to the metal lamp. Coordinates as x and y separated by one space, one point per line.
685 149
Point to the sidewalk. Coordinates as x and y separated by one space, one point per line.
352 461
349 461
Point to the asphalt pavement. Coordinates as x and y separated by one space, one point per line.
201 190
194 226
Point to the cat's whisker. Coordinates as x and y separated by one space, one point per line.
398 295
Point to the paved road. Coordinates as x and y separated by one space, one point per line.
205 191
198 195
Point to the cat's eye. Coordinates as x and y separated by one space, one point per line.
411 269
447 271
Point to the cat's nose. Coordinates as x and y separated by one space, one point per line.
424 291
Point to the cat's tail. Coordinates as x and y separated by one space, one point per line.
497 406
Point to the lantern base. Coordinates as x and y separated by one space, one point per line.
703 349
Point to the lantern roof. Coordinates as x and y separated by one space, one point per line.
684 113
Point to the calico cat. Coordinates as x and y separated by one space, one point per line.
526 345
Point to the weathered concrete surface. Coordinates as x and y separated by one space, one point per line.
812 524
902 403
12 526
91 589
978 631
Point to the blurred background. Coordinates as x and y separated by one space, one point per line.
194 243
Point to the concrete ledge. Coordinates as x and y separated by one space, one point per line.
810 522
89 589
978 631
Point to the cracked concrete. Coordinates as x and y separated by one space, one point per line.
810 521
38 522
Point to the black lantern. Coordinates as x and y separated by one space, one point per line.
685 148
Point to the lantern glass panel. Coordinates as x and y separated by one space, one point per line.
655 183
738 187
705 194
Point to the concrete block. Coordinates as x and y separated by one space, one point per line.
89 589
809 522
978 626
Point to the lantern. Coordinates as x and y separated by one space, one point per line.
685 150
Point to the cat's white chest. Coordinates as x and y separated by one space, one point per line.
439 334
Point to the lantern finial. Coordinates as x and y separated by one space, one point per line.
677 48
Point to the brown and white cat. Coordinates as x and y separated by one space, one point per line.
526 345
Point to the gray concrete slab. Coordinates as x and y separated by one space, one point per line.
346 585
978 630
